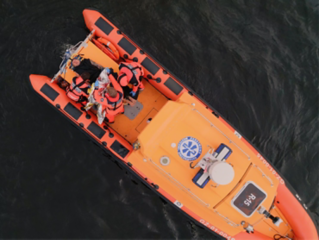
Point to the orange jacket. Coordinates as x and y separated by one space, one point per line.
77 89
130 73
111 105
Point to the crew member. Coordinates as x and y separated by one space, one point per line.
131 74
110 100
81 65
78 88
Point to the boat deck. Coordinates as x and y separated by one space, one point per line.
151 99
163 138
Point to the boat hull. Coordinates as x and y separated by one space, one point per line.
287 201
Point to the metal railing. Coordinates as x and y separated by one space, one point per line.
74 49
177 183
194 196
212 125
264 175
230 222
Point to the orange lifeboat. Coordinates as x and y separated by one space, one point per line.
181 147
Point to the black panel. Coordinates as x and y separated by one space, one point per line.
49 92
73 111
96 130
150 66
119 149
127 46
104 26
173 86
249 199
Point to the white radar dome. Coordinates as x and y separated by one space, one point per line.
221 173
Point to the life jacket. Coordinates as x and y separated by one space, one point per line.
77 89
130 73
112 105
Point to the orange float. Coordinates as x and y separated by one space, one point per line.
183 149
107 47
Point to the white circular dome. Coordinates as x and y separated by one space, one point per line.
221 173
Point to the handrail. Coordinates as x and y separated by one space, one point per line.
230 222
212 125
180 184
63 65
264 175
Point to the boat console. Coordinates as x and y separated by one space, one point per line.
214 167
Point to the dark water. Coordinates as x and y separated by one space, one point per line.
254 61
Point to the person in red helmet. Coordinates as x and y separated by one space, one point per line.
130 74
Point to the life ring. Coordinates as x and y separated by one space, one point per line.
107 47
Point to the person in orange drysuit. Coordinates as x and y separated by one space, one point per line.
110 98
78 89
131 74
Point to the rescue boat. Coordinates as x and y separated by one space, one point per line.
180 147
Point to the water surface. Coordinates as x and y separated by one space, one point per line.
254 61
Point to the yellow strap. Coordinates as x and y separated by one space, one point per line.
91 89
88 106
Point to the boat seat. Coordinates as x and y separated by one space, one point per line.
221 154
